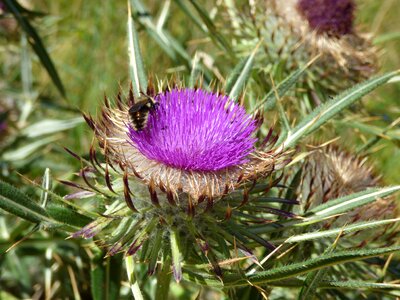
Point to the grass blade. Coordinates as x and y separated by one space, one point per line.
136 67
212 30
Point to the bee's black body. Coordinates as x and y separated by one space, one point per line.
139 112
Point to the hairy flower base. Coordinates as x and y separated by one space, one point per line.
112 132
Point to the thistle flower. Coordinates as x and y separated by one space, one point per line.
327 27
194 160
196 143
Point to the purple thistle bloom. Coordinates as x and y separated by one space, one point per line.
195 143
332 17
196 130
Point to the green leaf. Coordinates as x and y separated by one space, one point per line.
106 276
26 150
195 72
352 284
347 203
386 37
136 67
155 250
46 186
161 36
15 202
334 232
329 209
50 126
36 43
314 278
67 215
292 270
176 256
164 277
133 283
328 110
239 76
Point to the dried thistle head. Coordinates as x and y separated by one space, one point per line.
330 172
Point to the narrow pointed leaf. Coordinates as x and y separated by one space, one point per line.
329 209
154 252
164 278
238 78
49 126
334 232
133 283
328 110
36 43
176 257
347 203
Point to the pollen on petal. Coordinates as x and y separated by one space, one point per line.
196 130
332 17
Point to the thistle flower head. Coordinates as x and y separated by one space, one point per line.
331 17
331 172
327 27
164 180
197 143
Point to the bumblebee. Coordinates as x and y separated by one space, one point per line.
139 112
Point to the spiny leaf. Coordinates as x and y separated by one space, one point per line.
292 270
164 277
162 37
36 43
347 203
329 209
333 232
328 110
17 203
